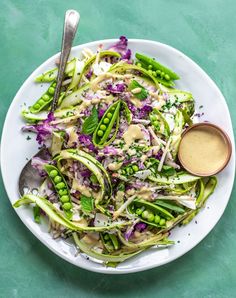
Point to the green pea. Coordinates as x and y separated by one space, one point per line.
158 72
145 214
103 127
93 179
54 84
162 222
60 185
150 217
167 77
106 120
57 179
155 123
100 133
109 115
150 71
65 199
138 211
135 168
36 106
149 66
162 74
123 172
139 64
53 173
67 206
106 237
157 219
154 73
51 90
45 97
41 102
62 192
113 109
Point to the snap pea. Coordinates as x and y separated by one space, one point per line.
157 66
61 187
170 206
44 100
159 122
51 75
150 213
102 132
156 74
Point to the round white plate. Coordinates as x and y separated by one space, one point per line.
205 92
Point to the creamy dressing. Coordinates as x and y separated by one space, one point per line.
134 132
115 166
203 150
135 101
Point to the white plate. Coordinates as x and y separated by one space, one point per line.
15 149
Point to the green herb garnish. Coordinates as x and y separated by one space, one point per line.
90 122
143 94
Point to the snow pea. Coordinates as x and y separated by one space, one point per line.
160 69
61 188
44 100
103 130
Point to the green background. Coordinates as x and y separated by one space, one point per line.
30 32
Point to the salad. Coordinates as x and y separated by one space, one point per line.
112 181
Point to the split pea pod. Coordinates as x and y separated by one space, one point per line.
44 100
110 118
150 213
161 70
61 187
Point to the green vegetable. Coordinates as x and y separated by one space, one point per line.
87 204
157 66
58 217
127 112
119 257
51 75
176 134
101 137
140 95
36 210
180 178
93 165
60 184
170 205
75 97
43 102
122 68
159 122
90 122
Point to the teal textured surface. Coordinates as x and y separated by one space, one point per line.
31 33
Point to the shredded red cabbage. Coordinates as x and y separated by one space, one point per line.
121 47
115 89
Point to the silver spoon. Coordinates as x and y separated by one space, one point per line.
30 180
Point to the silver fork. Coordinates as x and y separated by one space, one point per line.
30 180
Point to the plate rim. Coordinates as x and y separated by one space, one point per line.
103 269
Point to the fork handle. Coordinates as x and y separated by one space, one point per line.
72 18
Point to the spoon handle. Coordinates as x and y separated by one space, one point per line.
72 18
